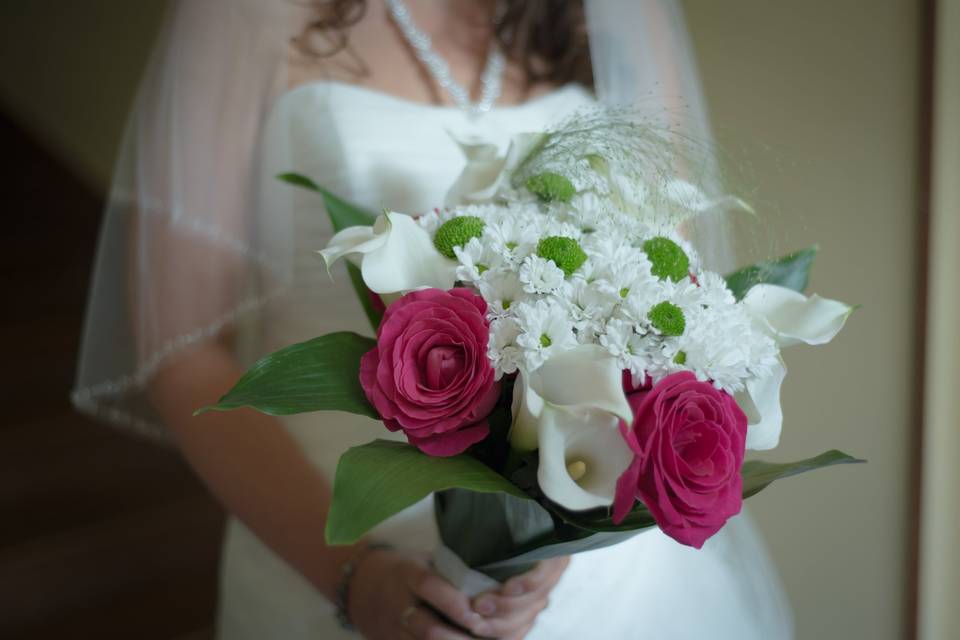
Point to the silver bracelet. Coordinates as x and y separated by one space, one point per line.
341 596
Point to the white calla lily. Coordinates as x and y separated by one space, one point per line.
486 173
691 197
582 454
571 408
760 401
790 318
395 255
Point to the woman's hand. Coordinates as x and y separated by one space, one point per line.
512 609
396 596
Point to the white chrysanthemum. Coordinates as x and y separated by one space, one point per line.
504 353
714 291
500 288
514 238
475 258
720 344
589 308
646 294
634 285
613 250
432 220
553 226
545 329
630 349
541 276
590 212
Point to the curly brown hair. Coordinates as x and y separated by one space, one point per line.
547 39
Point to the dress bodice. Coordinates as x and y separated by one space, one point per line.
382 151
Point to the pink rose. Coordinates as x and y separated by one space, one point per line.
688 440
429 375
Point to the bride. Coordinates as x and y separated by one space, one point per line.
206 261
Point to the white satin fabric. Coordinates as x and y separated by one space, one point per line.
382 151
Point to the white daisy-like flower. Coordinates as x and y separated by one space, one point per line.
501 288
634 285
475 259
541 276
504 353
545 329
513 238
434 219
625 344
714 291
430 221
589 307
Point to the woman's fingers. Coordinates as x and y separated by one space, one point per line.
493 605
543 577
510 615
423 625
511 610
522 633
442 596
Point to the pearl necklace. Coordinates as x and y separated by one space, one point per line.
438 68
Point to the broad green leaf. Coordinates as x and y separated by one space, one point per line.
363 295
376 480
342 215
792 271
503 536
757 474
551 548
487 527
319 374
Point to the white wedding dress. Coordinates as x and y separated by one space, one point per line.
381 151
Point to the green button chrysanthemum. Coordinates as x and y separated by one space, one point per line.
564 252
456 233
550 187
668 319
667 259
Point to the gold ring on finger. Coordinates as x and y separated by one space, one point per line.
405 616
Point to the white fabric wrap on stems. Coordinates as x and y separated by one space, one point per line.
449 565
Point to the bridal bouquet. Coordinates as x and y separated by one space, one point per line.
564 369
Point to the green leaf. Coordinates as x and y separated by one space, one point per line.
488 527
792 271
551 548
376 480
757 474
503 536
319 374
300 180
363 294
342 215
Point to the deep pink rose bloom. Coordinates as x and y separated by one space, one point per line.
688 440
429 375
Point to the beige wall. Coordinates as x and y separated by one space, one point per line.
940 561
68 71
832 87
831 90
